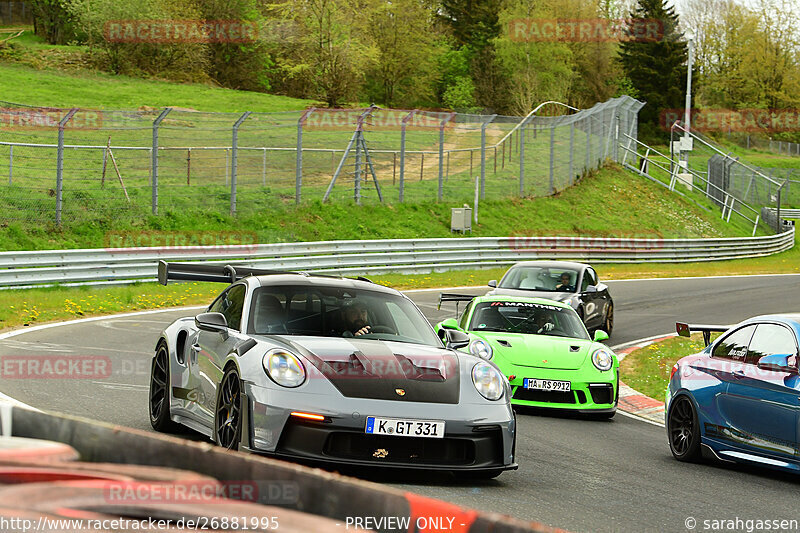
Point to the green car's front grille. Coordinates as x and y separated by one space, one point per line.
528 395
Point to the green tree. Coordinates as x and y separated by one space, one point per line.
404 71
325 53
656 69
52 21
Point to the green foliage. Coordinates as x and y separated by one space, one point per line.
178 61
53 21
460 95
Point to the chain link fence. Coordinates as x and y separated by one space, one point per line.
69 166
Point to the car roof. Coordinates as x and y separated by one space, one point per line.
551 264
273 280
792 318
525 299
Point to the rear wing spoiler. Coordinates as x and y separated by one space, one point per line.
215 272
685 330
458 298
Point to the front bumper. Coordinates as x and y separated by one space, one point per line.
591 391
481 442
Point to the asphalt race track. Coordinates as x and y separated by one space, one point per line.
576 474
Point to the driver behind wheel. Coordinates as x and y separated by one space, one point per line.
356 319
545 322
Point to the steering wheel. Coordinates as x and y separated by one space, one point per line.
382 329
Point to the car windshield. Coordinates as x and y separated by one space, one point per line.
338 312
529 318
541 278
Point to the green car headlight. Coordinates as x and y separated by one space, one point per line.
602 359
284 368
488 381
480 348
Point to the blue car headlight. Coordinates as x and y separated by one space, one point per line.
284 368
488 381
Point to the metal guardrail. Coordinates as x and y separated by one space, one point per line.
785 213
125 265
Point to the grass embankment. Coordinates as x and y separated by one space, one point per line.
647 369
611 202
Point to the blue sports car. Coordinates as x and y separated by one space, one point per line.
739 399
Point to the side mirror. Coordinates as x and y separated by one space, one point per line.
214 322
455 339
493 283
779 363
444 325
590 289
600 335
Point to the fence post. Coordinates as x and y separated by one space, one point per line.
60 163
10 164
298 170
588 145
403 125
552 157
442 124
521 140
264 168
235 158
483 163
571 151
154 156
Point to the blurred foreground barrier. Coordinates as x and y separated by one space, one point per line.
125 265
266 491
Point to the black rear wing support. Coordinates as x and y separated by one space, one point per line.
686 330
457 298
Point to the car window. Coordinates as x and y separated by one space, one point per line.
462 322
232 306
734 345
540 278
771 339
589 278
528 318
331 311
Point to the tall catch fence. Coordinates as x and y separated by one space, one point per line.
67 166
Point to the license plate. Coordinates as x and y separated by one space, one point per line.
400 427
546 384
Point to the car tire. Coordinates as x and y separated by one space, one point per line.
159 391
228 411
478 475
683 430
608 323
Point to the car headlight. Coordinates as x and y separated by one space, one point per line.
284 368
488 381
602 359
480 348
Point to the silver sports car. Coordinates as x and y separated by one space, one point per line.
328 369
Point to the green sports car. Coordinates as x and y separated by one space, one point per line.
544 350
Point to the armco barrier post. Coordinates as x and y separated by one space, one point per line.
60 163
298 172
235 158
154 157
403 125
